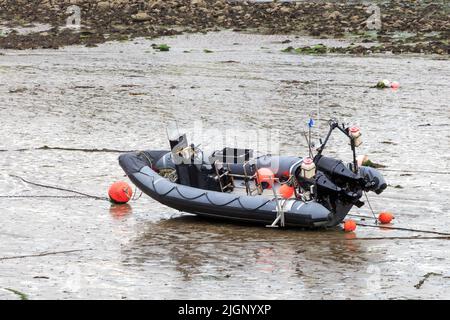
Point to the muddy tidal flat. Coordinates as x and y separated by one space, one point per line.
119 96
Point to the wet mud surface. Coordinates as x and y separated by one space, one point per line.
120 96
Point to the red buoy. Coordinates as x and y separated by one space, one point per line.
395 85
385 217
265 177
120 192
286 191
349 226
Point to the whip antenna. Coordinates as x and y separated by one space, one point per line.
310 125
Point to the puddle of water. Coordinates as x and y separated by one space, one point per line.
35 27
120 95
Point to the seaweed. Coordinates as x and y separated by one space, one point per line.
369 163
316 49
21 295
161 47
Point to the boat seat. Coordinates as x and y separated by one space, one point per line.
223 161
231 156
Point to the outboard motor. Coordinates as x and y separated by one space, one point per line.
337 185
346 183
374 180
336 170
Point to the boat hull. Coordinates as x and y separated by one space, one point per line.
142 167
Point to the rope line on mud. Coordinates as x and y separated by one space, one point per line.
393 228
42 254
72 149
370 206
127 151
414 171
59 188
48 197
403 229
360 216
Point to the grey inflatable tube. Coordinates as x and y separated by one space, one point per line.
256 209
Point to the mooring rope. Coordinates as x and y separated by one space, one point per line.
128 151
359 216
413 171
72 149
43 254
402 229
371 209
59 188
136 197
34 196
376 225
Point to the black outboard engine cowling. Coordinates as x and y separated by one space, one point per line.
374 180
335 179
336 170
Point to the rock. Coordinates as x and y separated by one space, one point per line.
18 90
334 15
355 19
119 27
103 5
198 2
141 17
383 84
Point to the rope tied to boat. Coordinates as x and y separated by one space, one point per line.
403 229
370 206
43 197
82 194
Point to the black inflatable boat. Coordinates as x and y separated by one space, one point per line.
270 190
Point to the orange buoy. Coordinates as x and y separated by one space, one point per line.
286 191
349 226
120 192
265 177
385 217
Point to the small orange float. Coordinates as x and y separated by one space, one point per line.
286 191
385 217
349 226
